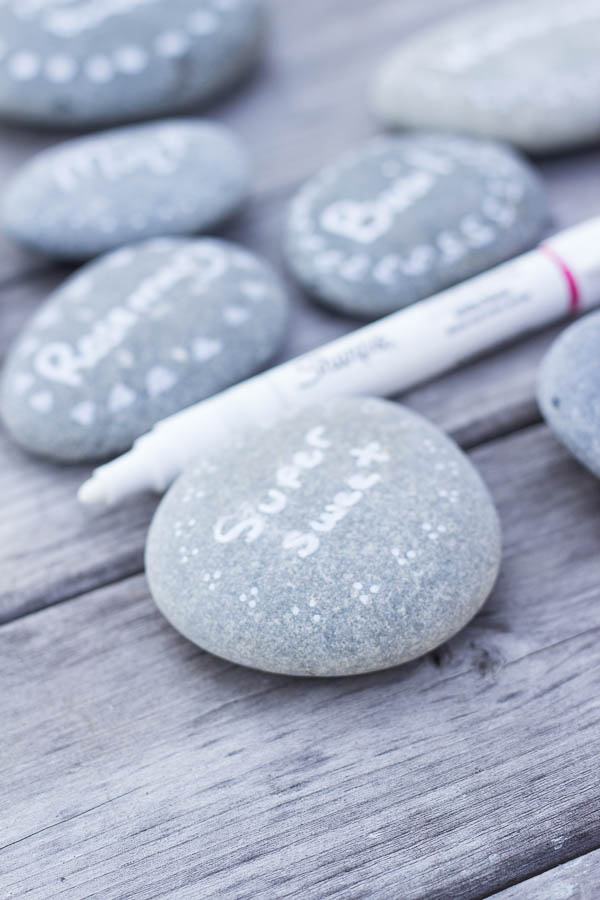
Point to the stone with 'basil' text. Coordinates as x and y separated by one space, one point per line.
569 390
86 63
136 336
403 217
90 195
352 537
523 72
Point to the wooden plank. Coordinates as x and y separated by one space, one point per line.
578 879
136 765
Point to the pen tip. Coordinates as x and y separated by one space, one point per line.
90 493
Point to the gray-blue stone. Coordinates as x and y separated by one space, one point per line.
568 390
134 337
79 63
403 217
528 73
86 196
352 537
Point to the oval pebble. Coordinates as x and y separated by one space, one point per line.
404 217
78 63
568 390
134 337
528 73
353 537
90 195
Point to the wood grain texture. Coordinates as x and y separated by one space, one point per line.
139 766
578 879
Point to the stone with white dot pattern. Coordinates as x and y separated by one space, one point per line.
340 545
135 336
89 195
403 217
77 63
527 73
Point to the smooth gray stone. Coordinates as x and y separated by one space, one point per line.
401 218
86 196
81 63
568 390
524 72
352 537
134 337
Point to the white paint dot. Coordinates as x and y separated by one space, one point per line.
60 69
99 69
83 413
316 618
254 591
217 574
243 598
295 610
172 44
24 66
202 22
252 604
374 588
411 554
42 402
357 585
130 59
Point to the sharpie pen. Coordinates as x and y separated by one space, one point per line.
395 353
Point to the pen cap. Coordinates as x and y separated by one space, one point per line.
579 250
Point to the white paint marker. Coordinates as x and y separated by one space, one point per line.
391 355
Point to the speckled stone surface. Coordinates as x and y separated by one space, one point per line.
528 73
94 194
353 537
569 390
134 337
401 218
82 63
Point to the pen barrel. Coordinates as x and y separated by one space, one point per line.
431 337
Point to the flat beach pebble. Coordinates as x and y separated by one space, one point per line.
569 390
403 217
528 73
135 336
79 63
352 537
86 196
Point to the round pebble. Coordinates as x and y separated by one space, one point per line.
352 537
528 73
569 390
90 195
78 63
135 336
404 217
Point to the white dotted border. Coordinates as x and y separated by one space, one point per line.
130 59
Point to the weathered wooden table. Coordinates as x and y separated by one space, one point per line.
136 766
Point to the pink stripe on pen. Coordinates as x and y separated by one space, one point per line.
574 292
